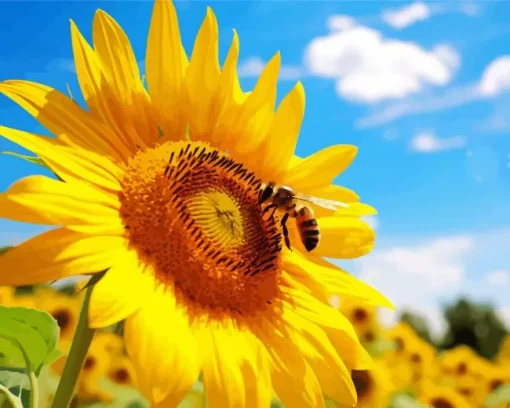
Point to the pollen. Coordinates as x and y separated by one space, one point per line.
192 213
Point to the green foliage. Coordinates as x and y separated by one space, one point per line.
475 325
380 346
418 323
28 338
4 249
31 159
403 400
499 397
124 397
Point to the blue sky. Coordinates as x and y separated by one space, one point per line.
422 88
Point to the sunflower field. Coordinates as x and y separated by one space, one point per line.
407 372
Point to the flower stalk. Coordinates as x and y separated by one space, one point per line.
74 363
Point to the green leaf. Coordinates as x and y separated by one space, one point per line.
27 337
53 356
499 397
4 249
31 159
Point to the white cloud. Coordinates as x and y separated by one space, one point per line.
432 315
471 9
496 77
433 267
253 67
341 23
422 276
504 313
412 106
369 68
499 277
428 142
498 121
413 276
406 16
494 81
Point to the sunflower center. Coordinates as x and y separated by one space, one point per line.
192 213
89 363
121 376
362 382
63 318
495 384
441 403
461 368
360 315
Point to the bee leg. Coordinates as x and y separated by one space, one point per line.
269 207
285 230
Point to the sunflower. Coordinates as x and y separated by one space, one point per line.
421 357
6 295
159 188
442 397
503 356
462 360
63 308
121 371
373 386
401 334
110 342
363 317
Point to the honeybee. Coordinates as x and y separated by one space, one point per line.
285 199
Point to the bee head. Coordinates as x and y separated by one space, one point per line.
283 196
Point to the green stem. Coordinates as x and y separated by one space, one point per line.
15 402
34 390
81 342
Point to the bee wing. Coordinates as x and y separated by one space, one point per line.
321 202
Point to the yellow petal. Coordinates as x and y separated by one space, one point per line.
41 200
249 129
226 350
293 379
357 210
92 83
60 115
166 63
162 348
69 163
355 356
202 79
57 254
344 237
123 86
231 95
334 192
283 134
333 376
336 280
328 318
321 168
121 291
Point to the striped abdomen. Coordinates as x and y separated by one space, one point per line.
308 228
